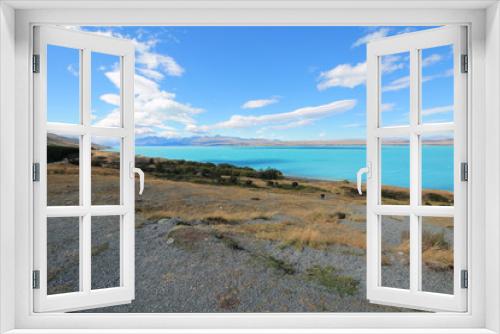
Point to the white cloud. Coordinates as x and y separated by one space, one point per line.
445 74
437 110
113 99
397 84
352 125
391 63
406 30
291 125
74 71
305 113
387 106
155 109
253 104
346 75
152 74
404 82
155 61
149 63
343 75
370 37
432 59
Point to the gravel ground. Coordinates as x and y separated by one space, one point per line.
198 271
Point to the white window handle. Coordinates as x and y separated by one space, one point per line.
359 175
139 171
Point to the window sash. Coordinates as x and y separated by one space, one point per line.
414 296
86 297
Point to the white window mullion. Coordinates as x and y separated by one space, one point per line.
127 253
86 255
85 237
372 182
414 172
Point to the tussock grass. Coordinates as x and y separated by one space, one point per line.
279 265
98 249
229 299
330 278
215 216
229 242
437 253
316 235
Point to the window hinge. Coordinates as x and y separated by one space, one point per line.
36 63
36 172
464 279
465 64
36 279
464 171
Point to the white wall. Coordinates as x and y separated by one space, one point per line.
492 188
7 176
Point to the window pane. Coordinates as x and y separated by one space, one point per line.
105 171
395 257
395 171
437 84
63 84
105 252
437 169
437 254
63 245
395 92
63 169
106 80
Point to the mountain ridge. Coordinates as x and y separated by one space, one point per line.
237 141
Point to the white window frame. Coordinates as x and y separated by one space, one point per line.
15 166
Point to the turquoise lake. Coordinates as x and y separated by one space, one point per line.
327 163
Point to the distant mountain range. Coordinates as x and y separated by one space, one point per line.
236 141
53 139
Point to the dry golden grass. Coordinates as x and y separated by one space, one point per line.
437 253
207 215
315 235
438 259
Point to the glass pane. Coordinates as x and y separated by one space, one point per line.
395 257
105 171
437 84
395 93
105 252
63 84
106 79
63 169
395 171
63 259
437 254
437 169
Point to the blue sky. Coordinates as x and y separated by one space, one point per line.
288 83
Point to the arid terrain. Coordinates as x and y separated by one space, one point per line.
218 238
